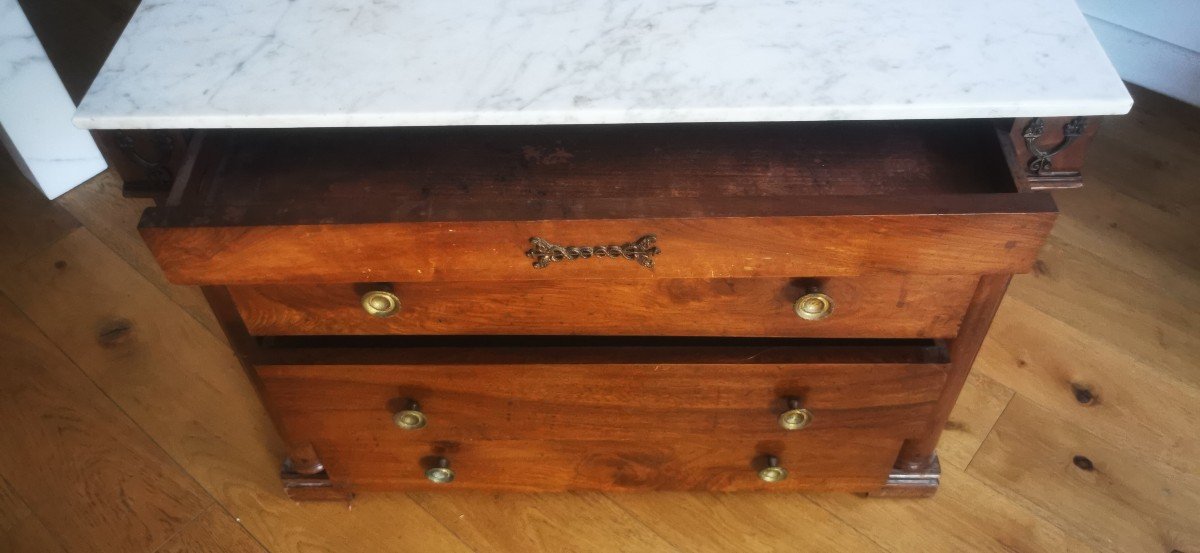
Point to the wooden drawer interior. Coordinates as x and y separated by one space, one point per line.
313 176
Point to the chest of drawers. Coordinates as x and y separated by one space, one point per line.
774 306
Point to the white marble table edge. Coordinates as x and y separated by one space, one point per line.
605 117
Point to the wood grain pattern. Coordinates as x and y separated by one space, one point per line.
882 306
980 403
1118 500
835 245
187 392
109 215
1099 386
304 176
107 486
762 523
440 235
848 462
919 453
594 401
1127 237
1066 284
575 522
724 201
965 515
20 529
213 530
28 224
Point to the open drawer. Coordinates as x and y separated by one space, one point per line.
596 202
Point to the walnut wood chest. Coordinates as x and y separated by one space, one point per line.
768 306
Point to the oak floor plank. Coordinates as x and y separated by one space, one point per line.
964 515
214 530
567 522
751 522
1151 153
88 473
1115 306
20 529
28 222
100 207
980 404
1094 385
185 388
1115 498
1155 241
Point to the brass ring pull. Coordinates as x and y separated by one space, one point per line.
441 473
772 472
641 250
411 418
813 306
379 303
796 417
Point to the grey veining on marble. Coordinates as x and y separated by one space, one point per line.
345 63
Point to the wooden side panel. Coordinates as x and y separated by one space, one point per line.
879 306
919 454
599 401
830 245
842 463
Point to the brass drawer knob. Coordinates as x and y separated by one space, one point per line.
813 306
795 417
772 472
410 418
441 473
378 303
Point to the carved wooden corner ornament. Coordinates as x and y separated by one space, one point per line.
1046 153
146 160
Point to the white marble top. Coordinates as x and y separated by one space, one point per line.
348 63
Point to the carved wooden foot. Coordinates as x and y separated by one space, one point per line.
312 487
918 482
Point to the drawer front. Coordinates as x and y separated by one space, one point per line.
909 240
596 401
883 306
846 462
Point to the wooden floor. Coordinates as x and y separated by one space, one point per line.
126 424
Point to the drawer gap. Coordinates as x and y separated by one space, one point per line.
500 350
